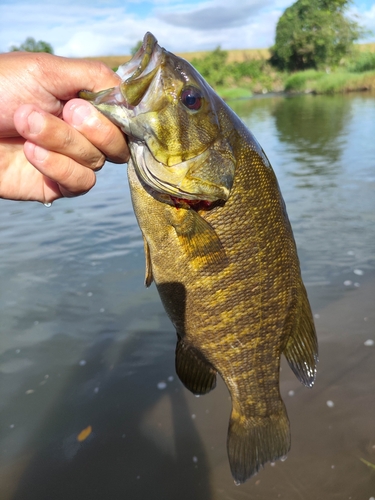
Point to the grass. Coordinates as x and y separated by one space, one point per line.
321 82
233 93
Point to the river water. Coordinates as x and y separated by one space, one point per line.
90 406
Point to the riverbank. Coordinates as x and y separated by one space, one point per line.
239 74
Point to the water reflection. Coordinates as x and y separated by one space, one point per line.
142 436
314 127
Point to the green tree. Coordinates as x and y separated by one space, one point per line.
31 45
314 34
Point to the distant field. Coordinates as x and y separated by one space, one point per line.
233 55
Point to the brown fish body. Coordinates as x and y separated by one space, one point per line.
229 278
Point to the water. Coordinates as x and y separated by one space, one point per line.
86 350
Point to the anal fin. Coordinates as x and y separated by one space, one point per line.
194 371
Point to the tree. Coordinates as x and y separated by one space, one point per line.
31 45
314 34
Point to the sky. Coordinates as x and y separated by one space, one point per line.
82 28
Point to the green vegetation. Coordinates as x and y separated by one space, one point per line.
313 52
31 45
235 80
314 34
248 76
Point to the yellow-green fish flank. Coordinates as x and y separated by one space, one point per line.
218 245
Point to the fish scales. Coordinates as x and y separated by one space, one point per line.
226 270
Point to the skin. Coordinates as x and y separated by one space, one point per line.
51 144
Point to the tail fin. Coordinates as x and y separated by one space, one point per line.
254 441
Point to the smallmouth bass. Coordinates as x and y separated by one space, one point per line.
218 244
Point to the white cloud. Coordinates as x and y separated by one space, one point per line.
110 27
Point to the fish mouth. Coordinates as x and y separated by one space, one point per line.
136 75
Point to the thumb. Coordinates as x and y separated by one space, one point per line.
68 76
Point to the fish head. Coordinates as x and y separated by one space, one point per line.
170 115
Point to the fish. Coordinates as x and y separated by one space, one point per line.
218 245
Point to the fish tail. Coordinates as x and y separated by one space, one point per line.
254 441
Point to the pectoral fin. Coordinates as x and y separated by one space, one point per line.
148 274
197 238
193 369
301 350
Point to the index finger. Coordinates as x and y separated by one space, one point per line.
98 129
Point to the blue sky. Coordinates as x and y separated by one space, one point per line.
108 27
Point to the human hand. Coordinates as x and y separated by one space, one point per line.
50 143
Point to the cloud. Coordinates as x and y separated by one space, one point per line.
112 27
82 29
216 15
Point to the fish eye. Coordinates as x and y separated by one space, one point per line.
191 98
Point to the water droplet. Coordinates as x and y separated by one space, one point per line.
357 285
316 316
347 283
369 343
18 351
47 205
89 294
102 310
195 459
350 252
171 378
161 385
283 458
82 362
193 416
11 426
30 391
358 272
291 393
330 404
96 390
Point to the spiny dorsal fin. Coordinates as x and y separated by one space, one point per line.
253 441
198 239
193 369
301 350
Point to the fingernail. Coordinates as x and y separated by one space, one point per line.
40 154
36 122
80 113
